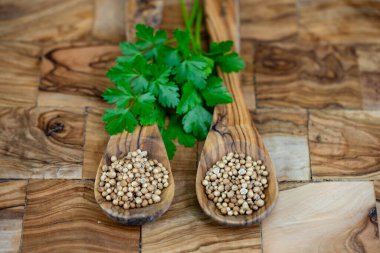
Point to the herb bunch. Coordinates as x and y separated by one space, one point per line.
158 78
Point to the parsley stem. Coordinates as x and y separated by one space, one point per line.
194 12
198 23
187 23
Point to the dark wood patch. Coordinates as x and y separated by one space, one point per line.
300 76
41 143
77 69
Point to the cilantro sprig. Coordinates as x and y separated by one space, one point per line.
157 78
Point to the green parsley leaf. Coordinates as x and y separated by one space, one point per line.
175 130
168 95
160 116
119 120
166 91
133 73
197 121
194 69
168 56
169 145
147 110
230 62
190 98
129 50
215 92
183 40
149 41
144 104
119 97
221 48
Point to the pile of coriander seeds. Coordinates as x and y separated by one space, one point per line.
236 184
133 181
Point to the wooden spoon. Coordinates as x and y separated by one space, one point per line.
145 138
232 129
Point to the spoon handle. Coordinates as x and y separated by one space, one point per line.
222 22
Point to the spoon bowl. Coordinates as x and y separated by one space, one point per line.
145 138
218 144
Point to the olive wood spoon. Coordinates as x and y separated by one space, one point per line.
232 129
145 138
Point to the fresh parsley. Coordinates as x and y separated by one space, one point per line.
157 78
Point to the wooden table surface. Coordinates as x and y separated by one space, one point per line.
312 84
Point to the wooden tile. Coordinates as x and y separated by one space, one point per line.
45 21
62 216
268 20
185 228
77 68
12 203
19 77
295 75
285 136
368 58
369 66
145 12
322 217
95 142
339 21
345 144
109 20
280 121
41 143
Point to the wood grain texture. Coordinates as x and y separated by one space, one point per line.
231 129
45 21
298 224
12 203
147 138
307 76
172 15
41 143
286 185
345 144
369 66
339 21
109 22
96 140
77 68
268 20
247 74
62 216
285 135
69 101
185 228
19 77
